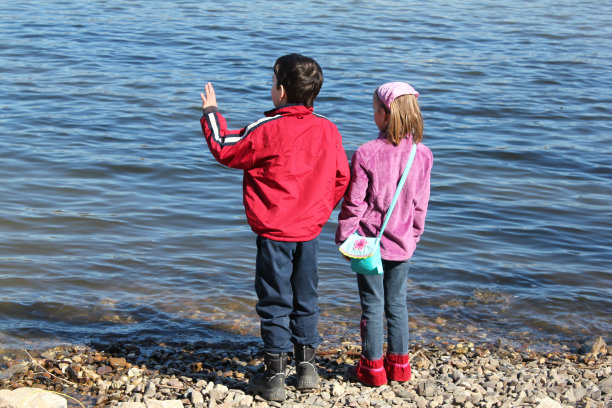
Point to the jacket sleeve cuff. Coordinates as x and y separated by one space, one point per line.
209 110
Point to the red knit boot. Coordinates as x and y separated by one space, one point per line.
370 372
397 367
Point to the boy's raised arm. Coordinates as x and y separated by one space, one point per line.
227 146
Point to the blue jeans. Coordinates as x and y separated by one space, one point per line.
286 280
384 293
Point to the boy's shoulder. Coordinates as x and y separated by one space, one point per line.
325 122
274 121
318 115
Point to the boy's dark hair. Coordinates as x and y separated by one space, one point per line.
301 76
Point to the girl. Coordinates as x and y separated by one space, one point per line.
376 169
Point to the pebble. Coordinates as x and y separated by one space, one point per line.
459 374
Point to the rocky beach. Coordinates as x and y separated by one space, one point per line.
448 374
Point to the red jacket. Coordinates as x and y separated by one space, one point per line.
295 169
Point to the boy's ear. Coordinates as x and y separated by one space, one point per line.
283 94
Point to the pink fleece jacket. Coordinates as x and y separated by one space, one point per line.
376 168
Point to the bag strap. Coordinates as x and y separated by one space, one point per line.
398 190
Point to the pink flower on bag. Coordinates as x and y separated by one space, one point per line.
360 245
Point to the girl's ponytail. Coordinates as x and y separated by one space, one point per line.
404 118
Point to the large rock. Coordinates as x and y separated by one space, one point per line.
31 398
595 346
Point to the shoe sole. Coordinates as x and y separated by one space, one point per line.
270 396
307 379
307 386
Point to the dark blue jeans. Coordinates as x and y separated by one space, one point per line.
286 280
384 293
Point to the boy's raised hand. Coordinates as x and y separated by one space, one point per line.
210 98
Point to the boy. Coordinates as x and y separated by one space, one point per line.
295 173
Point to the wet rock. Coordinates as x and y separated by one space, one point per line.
595 346
102 370
117 362
14 369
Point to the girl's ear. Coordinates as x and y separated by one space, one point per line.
387 118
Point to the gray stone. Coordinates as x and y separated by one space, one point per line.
196 398
606 382
460 396
403 393
150 390
31 398
457 375
579 393
388 395
555 391
436 402
596 345
219 392
569 396
595 393
427 389
15 369
491 399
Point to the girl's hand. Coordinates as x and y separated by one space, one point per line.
210 99
346 257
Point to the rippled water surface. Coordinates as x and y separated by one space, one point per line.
116 221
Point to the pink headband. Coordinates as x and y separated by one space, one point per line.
391 90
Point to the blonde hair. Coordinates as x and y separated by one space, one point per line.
404 118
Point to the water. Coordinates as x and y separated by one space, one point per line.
116 222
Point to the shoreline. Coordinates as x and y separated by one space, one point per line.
452 374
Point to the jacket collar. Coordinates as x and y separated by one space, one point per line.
290 110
